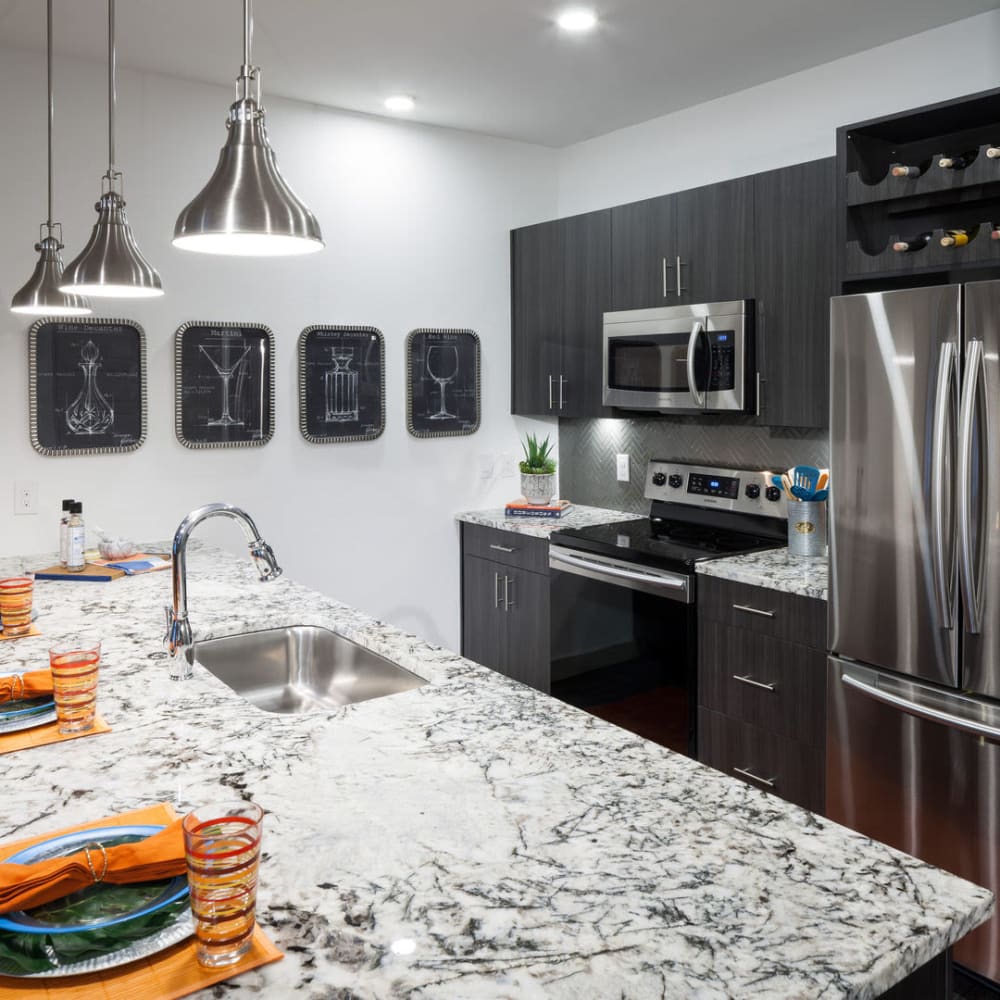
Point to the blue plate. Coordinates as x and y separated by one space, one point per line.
11 711
104 904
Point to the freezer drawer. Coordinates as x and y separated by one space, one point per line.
930 788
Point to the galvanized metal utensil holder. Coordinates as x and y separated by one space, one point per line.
806 527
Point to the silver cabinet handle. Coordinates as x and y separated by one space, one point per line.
680 288
767 782
753 611
696 330
757 684
666 293
562 382
507 602
940 505
971 594
551 404
496 590
502 548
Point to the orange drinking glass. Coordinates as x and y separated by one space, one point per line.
74 668
15 605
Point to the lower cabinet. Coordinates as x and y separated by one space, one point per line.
505 608
762 690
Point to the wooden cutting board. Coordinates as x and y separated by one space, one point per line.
91 573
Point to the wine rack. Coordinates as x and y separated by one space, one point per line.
877 208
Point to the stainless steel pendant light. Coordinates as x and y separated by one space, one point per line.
246 209
41 296
111 264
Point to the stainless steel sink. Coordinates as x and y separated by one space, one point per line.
303 668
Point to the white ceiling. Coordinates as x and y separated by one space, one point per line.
499 67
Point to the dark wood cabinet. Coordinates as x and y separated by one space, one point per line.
505 604
643 252
794 240
560 290
762 688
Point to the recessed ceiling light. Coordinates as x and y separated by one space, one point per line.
400 102
577 19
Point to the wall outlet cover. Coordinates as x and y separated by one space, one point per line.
25 497
622 468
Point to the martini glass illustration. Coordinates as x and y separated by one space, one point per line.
442 366
90 412
226 369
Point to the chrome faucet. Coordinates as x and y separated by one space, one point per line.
179 635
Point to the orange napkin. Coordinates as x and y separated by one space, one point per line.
33 684
159 856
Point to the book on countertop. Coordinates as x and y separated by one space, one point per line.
521 508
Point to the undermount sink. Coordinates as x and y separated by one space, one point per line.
302 668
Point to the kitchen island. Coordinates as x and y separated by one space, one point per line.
472 837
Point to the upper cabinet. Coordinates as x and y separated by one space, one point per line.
690 247
560 288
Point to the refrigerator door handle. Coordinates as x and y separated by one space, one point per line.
944 401
971 595
965 725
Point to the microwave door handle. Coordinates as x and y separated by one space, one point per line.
696 330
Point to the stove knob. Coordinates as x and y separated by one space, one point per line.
772 493
675 480
659 478
752 491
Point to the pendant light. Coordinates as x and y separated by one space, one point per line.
111 264
246 209
41 295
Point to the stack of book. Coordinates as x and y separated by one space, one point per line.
521 508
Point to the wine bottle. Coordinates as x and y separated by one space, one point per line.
995 234
913 244
959 162
958 237
903 170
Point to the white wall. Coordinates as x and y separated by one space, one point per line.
776 124
416 222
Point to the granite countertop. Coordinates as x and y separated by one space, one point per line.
472 838
774 569
577 516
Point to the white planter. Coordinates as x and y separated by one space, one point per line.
538 489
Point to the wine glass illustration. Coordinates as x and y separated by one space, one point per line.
442 366
226 370
90 412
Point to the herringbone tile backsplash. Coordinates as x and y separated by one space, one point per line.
587 451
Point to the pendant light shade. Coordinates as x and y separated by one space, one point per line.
247 209
41 295
111 264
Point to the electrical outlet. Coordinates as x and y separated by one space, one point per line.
508 466
485 466
25 497
622 469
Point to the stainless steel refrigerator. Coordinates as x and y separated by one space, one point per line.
913 739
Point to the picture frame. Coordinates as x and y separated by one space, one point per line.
443 373
86 386
223 384
341 383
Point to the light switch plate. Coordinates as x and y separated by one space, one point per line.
25 497
622 468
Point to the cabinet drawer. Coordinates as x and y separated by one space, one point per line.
769 612
773 763
507 547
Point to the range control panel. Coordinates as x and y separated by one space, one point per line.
749 491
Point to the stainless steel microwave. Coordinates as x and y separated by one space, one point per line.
681 358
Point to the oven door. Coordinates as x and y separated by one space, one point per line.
623 644
694 358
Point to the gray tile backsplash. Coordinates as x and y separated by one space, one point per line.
587 451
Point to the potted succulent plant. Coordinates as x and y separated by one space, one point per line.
538 471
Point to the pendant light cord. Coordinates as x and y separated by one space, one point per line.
247 34
112 59
48 53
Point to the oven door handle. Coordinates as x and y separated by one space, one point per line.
697 329
669 581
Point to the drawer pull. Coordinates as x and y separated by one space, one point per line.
753 611
502 548
753 683
768 782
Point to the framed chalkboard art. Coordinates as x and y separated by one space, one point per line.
87 386
442 383
341 383
224 385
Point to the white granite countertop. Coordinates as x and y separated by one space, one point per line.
774 569
541 527
472 838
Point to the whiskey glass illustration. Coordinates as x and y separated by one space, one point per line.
442 366
90 412
226 369
340 387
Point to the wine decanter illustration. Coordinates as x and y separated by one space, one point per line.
90 412
340 385
442 366
226 369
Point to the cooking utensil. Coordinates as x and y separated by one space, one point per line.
805 478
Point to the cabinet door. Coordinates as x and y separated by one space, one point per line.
526 654
715 242
482 615
536 317
586 296
643 251
794 211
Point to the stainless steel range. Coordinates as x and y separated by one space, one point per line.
624 636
